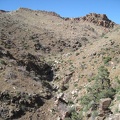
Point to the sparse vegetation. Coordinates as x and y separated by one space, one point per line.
100 89
75 116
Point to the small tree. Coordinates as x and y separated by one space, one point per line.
102 79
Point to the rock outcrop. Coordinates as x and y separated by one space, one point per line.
98 19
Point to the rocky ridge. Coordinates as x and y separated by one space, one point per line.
98 19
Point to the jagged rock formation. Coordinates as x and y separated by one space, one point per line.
98 19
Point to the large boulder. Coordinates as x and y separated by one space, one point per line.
99 19
104 103
104 111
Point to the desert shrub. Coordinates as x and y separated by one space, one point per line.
118 98
2 62
103 34
75 116
106 59
50 63
105 37
85 99
91 104
117 81
77 53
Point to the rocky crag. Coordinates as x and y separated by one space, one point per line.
98 19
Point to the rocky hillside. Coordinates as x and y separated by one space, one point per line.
54 68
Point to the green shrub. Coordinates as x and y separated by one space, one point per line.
105 37
106 59
85 99
75 116
101 88
77 54
117 87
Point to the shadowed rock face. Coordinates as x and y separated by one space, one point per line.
14 105
32 63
